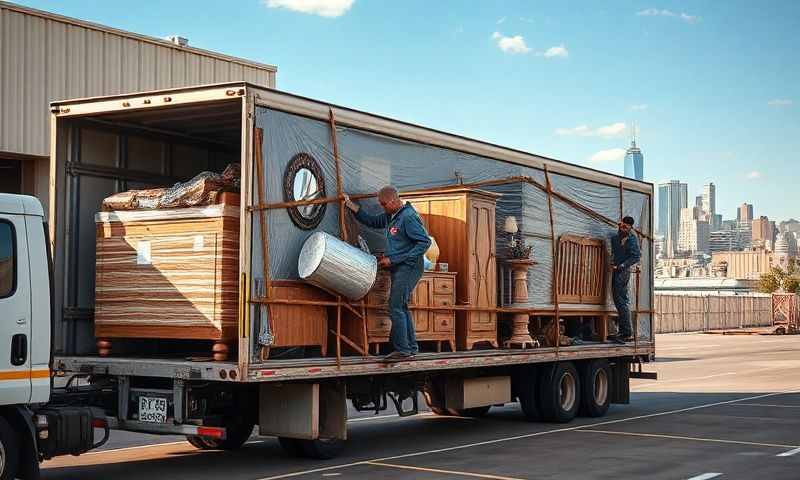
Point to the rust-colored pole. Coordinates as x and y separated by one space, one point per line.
554 247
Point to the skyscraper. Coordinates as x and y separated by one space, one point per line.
672 197
634 161
745 213
710 199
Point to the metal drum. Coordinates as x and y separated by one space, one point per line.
332 264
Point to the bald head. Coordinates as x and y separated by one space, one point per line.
389 199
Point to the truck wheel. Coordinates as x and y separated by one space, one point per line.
291 446
526 389
596 388
9 451
322 448
560 392
475 412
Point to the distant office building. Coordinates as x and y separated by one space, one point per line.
716 222
694 232
729 225
747 265
672 197
710 199
698 202
723 241
634 162
745 213
762 232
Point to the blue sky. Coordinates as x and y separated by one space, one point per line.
712 86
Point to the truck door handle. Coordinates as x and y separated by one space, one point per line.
20 321
19 349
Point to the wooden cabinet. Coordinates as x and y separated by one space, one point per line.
463 223
434 288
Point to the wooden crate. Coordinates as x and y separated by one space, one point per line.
169 274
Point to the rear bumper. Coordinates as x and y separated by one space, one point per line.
166 428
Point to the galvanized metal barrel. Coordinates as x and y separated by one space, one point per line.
332 264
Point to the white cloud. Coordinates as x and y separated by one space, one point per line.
607 131
502 20
559 51
515 44
323 8
610 155
654 12
754 175
780 102
639 107
526 19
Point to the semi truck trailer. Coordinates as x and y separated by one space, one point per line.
64 373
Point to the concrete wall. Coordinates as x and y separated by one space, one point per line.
695 313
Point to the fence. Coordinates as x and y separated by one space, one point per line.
697 313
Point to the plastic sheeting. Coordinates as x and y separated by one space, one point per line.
370 161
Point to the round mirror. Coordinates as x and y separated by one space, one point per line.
303 181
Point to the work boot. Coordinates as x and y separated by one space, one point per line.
398 356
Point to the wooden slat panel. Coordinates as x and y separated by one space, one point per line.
581 270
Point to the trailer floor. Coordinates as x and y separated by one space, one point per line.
724 407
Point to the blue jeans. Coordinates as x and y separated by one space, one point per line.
404 279
619 291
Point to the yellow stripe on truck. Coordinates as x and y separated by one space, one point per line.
24 374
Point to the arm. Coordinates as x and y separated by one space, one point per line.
415 231
374 221
634 255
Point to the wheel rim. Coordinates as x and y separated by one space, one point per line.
600 387
566 390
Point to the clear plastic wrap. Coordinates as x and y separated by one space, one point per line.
370 161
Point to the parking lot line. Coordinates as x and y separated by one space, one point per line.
768 405
706 476
679 437
527 435
437 470
789 453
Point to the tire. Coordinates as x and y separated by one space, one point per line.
595 388
526 389
291 446
322 448
560 393
9 451
235 436
475 412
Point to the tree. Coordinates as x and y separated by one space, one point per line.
778 279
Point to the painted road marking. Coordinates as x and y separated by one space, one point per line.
789 453
528 435
696 439
115 450
661 382
436 470
768 405
706 476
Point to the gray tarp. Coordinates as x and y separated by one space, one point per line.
370 161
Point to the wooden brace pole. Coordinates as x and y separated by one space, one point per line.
554 248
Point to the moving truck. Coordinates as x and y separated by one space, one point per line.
496 325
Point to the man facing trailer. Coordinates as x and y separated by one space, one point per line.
406 244
625 254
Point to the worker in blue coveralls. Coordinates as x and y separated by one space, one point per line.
625 254
406 244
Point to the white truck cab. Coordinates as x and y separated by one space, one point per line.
32 427
24 302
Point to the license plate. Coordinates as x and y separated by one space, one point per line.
152 409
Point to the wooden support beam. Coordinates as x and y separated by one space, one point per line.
554 249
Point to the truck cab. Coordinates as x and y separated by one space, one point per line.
32 427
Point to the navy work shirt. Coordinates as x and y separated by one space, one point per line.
406 238
625 251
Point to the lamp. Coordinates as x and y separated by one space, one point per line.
511 225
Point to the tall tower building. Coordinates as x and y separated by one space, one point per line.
710 199
745 213
672 197
634 160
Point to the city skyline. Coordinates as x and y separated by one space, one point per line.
531 76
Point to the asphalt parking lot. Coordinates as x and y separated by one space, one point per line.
724 407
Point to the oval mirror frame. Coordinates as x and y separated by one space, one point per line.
303 180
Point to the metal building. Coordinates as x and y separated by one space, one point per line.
46 57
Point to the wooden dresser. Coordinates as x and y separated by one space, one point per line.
168 274
463 223
433 289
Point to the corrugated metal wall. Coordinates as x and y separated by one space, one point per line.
45 57
697 313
